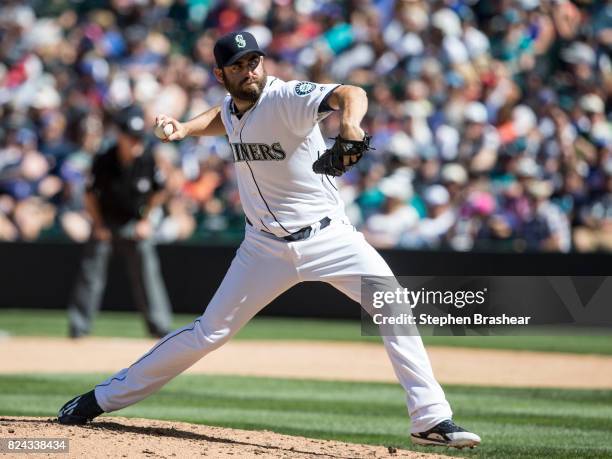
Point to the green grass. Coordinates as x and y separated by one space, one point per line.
30 322
512 422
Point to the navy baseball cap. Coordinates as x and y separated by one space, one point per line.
231 47
131 121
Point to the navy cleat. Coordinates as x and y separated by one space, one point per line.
80 410
446 433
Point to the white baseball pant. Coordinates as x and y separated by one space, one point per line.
263 268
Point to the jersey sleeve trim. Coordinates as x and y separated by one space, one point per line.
320 114
324 104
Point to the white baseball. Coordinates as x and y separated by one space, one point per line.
162 132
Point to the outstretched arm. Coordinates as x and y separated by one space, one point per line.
208 123
352 102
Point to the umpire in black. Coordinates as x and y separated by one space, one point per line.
124 187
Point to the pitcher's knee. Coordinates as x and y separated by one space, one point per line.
213 335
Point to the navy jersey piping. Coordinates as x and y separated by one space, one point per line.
151 352
255 180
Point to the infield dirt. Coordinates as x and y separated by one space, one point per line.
315 360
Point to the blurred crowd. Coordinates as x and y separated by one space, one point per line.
491 120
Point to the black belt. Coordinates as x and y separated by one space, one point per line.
301 234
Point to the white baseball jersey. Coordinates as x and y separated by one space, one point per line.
274 144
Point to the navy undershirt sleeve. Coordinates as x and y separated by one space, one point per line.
324 105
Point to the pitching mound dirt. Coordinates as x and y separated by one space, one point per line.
144 438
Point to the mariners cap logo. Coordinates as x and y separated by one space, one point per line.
304 87
231 47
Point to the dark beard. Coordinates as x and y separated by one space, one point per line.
250 94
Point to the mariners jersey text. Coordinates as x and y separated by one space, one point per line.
258 152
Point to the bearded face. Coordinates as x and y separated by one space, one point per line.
246 78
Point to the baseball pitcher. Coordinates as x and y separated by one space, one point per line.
296 230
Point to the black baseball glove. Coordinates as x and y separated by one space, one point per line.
342 155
